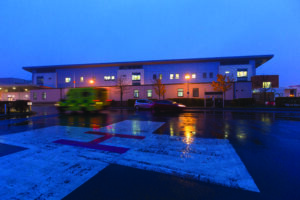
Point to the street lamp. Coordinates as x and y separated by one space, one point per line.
92 81
187 78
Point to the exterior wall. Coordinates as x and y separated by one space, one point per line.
52 95
242 90
49 78
12 96
127 75
97 74
257 81
234 68
181 69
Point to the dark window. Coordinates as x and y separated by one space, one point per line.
211 75
204 75
195 92
34 96
44 95
154 76
40 80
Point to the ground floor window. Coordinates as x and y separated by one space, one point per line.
44 95
34 96
149 93
180 92
136 93
195 92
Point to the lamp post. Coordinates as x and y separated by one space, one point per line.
187 78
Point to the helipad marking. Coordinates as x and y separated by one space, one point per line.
94 144
52 170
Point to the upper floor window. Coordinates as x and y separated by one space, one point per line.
112 77
81 79
154 76
177 76
193 75
267 84
67 79
160 76
171 76
136 76
40 80
106 78
211 74
204 75
242 73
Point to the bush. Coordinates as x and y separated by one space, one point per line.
287 101
243 102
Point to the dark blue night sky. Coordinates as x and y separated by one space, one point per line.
51 32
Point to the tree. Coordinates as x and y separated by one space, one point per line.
223 84
159 88
122 86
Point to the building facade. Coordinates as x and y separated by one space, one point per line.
139 77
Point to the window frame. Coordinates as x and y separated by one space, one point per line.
180 91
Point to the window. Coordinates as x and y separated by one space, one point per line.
106 78
267 84
211 74
44 95
227 72
242 73
171 76
34 96
154 76
67 79
180 92
112 77
204 75
136 76
40 80
81 79
195 92
149 93
160 76
136 93
194 75
177 76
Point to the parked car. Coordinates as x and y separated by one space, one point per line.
143 104
167 105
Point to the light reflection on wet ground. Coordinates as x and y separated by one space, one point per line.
267 142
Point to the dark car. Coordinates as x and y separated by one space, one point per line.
167 105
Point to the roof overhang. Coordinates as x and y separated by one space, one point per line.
259 60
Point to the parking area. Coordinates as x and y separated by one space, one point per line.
124 154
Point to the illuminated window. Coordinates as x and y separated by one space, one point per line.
44 95
112 77
81 79
267 84
180 92
67 79
171 76
242 73
194 75
160 76
204 75
149 93
177 76
136 76
136 93
227 72
106 78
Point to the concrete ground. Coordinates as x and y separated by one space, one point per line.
123 154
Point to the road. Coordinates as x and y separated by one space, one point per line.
124 154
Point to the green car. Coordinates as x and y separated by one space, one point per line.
84 99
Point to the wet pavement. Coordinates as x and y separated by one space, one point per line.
191 155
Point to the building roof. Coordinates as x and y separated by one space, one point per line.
259 60
14 81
